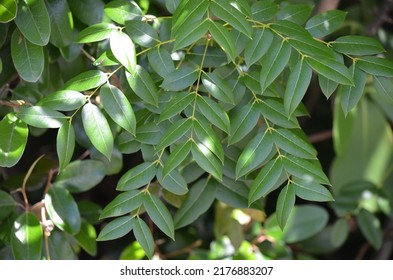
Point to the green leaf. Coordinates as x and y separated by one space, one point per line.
331 69
266 181
242 123
224 39
143 85
198 201
357 45
148 133
208 137
262 38
177 156
171 5
188 11
124 50
63 210
176 105
309 190
304 222
296 13
190 32
73 176
340 232
144 236
13 140
137 176
376 66
218 87
7 205
371 228
60 247
33 21
88 12
8 10
206 160
213 112
254 153
274 61
160 60
290 29
264 10
97 129
297 85
293 142
327 86
306 44
142 33
63 100
28 58
228 12
26 238
177 130
118 107
159 214
96 32
121 11
123 203
350 95
232 193
325 23
86 80
285 204
42 117
62 24
65 144
86 238
303 169
116 228
173 182
180 79
106 59
383 87
273 110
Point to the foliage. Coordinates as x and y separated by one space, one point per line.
209 93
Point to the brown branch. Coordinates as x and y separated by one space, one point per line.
321 136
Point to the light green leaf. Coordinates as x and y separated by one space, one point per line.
383 87
137 176
228 12
97 129
274 61
173 182
350 95
325 23
371 228
73 176
206 160
26 237
296 13
63 210
14 133
159 214
273 110
144 236
63 100
171 5
243 122
62 24
340 232
218 87
124 50
264 10
209 138
188 11
142 33
28 58
190 33
42 117
177 130
8 10
266 181
376 66
308 189
357 45
118 107
161 61
123 203
86 238
106 59
213 112
262 38
176 105
297 85
177 156
293 142
224 39
7 205
331 69
96 32
65 144
121 11
198 200
86 80
285 204
180 79
33 21
327 86
143 85
116 228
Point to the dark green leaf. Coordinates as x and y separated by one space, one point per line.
180 78
206 160
285 204
214 113
290 29
262 38
124 50
325 23
273 110
242 123
86 238
331 69
224 38
161 61
42 117
177 156
118 107
173 182
232 193
8 10
26 238
86 80
96 32
63 100
60 247
264 10
177 130
370 227
7 205
122 11
312 191
13 140
116 228
90 211
28 58
148 133
142 33
357 45
144 236
177 105
306 44
218 87
383 87
188 11
123 203
65 144
97 129
33 21
62 24
208 137
297 13
159 214
143 85
376 66
137 176
63 210
88 12
340 232
190 32
327 86
293 142
350 95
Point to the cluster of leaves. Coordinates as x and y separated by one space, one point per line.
209 96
